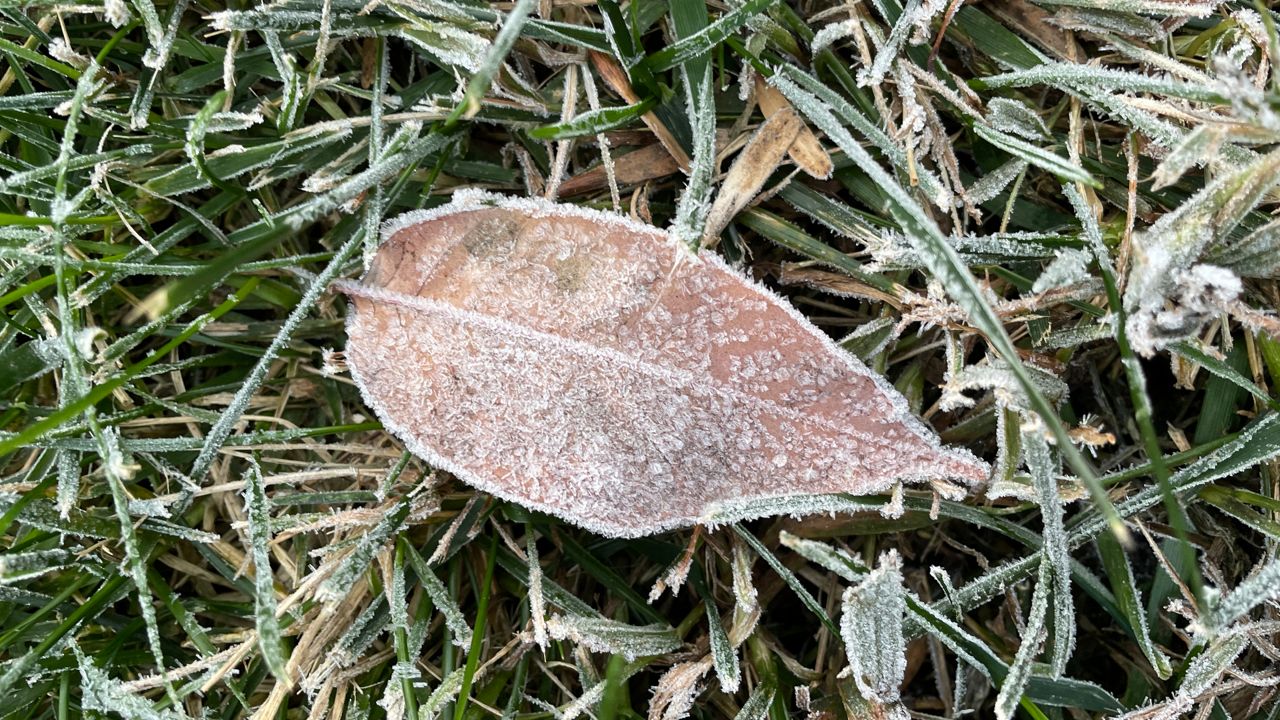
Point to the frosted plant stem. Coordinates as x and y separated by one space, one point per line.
110 451
257 511
374 207
156 57
1137 381
483 78
695 201
222 429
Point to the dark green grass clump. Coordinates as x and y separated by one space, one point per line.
1050 224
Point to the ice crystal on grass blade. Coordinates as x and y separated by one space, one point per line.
592 367
610 636
871 624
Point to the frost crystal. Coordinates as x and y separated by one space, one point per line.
1196 296
591 367
871 624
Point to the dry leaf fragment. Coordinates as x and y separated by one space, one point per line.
754 165
589 366
806 152
647 163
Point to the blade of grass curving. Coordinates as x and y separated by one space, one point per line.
445 602
600 634
1078 76
788 577
812 87
1055 553
1064 169
593 122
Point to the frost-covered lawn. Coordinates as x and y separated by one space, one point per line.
1050 226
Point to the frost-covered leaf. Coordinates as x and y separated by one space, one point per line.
1169 297
724 655
871 625
1256 255
1015 118
610 636
593 368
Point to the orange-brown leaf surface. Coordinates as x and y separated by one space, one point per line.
591 367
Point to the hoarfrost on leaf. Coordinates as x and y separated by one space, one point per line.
589 366
871 623
1071 266
600 634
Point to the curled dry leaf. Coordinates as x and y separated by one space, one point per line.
588 366
758 160
806 151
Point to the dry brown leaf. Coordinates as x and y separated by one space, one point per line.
616 78
592 367
750 170
806 152
647 163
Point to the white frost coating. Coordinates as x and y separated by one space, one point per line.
1015 118
1195 295
829 34
610 636
1070 267
116 12
645 405
871 625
